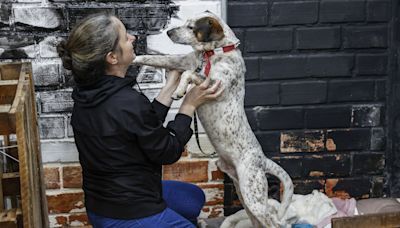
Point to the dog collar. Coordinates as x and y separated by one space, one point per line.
208 54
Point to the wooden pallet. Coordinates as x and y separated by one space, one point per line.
18 119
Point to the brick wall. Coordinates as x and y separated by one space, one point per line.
29 30
317 91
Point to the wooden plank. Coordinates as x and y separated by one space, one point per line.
1 183
10 175
10 71
22 117
28 150
5 108
381 220
40 202
23 170
7 91
6 126
10 218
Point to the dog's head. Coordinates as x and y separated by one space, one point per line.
203 32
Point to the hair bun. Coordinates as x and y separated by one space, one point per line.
64 55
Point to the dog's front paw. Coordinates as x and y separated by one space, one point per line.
178 95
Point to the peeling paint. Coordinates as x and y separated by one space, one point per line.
316 174
302 142
330 145
331 192
76 223
317 156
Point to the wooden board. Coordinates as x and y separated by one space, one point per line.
10 71
10 218
382 220
7 91
18 115
6 124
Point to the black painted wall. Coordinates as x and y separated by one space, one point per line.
393 159
318 92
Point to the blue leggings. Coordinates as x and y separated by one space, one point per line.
184 203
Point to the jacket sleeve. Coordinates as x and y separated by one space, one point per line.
162 145
160 109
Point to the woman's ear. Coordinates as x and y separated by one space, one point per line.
111 58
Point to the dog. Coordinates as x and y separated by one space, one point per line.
241 157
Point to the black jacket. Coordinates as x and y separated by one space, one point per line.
122 144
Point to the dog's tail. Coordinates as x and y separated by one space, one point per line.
287 183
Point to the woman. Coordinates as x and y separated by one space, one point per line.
120 136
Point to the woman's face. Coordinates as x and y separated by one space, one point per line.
126 43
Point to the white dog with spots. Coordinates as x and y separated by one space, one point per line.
216 55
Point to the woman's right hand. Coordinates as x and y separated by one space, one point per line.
199 95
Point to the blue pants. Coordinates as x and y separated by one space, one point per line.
184 203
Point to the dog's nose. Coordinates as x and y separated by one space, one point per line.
169 32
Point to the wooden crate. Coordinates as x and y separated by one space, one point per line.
381 220
18 120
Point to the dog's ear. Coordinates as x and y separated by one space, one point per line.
208 29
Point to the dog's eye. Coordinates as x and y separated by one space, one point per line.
190 27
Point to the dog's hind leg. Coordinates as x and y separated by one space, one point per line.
253 185
232 173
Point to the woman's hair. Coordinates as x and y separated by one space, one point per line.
86 48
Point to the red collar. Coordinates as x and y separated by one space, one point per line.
208 54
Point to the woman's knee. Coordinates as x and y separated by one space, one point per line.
185 198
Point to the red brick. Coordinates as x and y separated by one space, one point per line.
217 175
185 153
64 203
82 218
214 194
330 192
72 177
51 177
213 212
307 141
62 220
189 171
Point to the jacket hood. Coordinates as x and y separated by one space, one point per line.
93 94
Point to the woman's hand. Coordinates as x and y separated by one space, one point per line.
164 97
199 95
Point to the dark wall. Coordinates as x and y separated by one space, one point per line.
317 91
393 159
